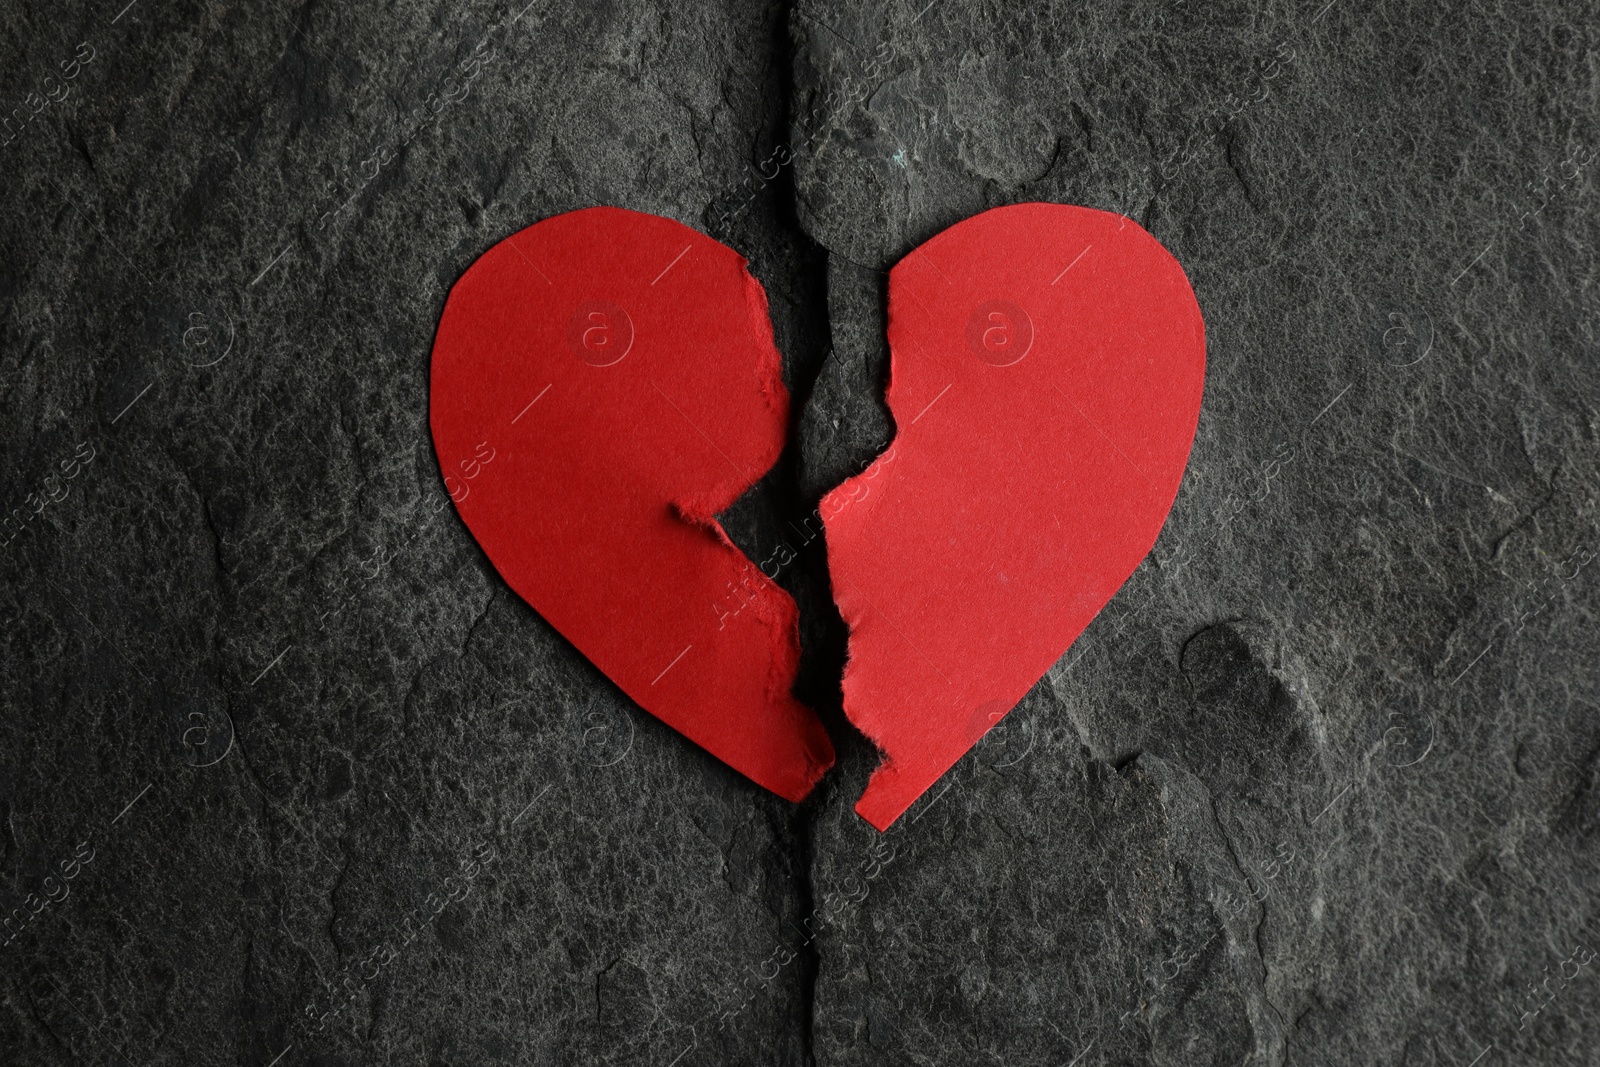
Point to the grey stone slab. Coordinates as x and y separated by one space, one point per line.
1317 785
254 615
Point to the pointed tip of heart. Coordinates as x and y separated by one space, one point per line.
818 761
877 808
897 785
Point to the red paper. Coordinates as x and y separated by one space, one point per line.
1047 367
618 371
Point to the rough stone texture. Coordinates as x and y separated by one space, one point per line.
1278 805
1321 785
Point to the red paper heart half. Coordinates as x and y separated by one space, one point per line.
1047 364
605 382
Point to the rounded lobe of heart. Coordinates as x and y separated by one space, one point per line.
618 370
1047 365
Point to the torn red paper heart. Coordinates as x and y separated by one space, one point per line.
1047 364
619 370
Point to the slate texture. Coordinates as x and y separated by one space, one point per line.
288 776
1318 787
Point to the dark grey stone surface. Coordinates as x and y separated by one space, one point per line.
1321 785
